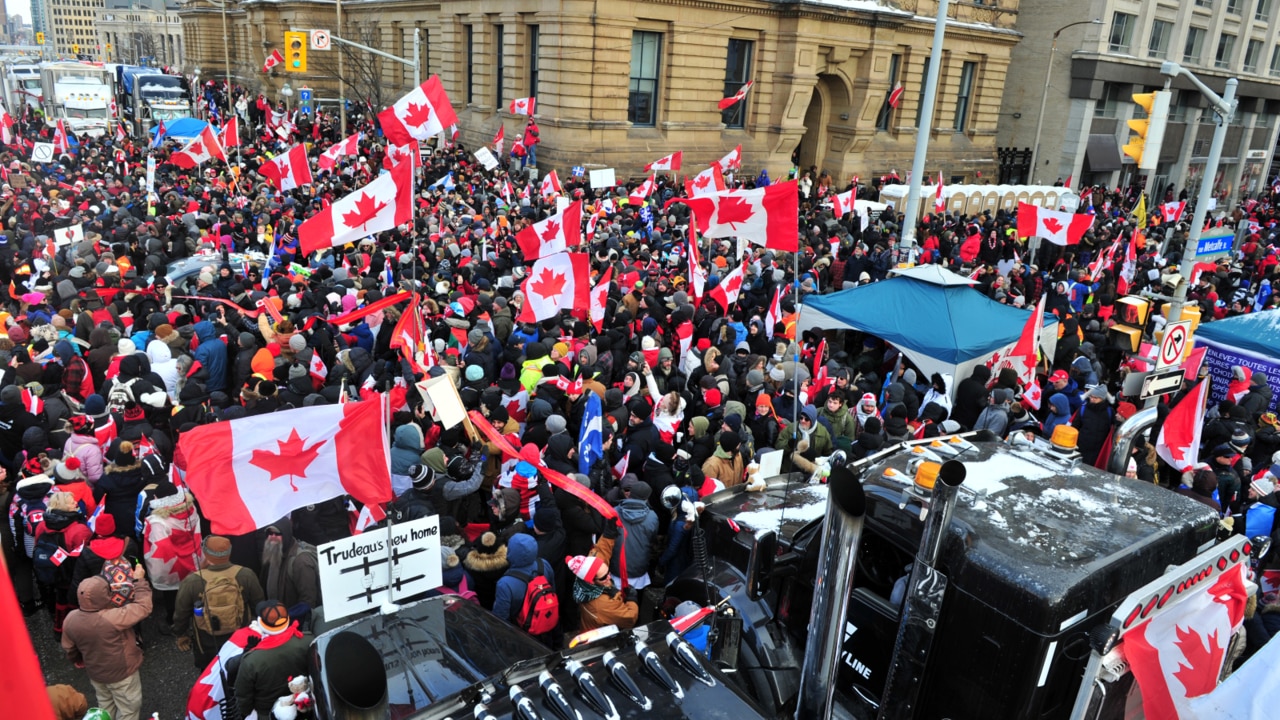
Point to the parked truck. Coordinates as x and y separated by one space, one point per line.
147 96
79 93
22 87
956 578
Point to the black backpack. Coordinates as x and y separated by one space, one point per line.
52 560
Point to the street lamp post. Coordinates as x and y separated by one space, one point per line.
1044 97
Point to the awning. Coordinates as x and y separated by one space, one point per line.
1102 153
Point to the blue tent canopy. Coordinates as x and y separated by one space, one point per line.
182 128
1258 333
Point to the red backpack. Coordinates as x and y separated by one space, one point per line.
540 612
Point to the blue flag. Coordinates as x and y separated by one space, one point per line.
590 441
445 182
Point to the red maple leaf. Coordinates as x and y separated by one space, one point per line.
292 460
284 168
417 115
1199 675
702 181
196 148
1052 225
733 283
552 231
734 210
548 284
367 208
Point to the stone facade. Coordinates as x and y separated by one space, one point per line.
127 35
822 71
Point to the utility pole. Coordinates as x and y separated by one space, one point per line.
342 82
907 238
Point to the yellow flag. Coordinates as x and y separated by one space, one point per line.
1140 212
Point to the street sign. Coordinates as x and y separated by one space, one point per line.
304 94
1161 382
1174 344
1216 242
320 40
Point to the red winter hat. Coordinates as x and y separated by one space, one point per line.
530 454
104 525
585 567
712 397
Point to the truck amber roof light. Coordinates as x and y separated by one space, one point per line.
927 475
1065 437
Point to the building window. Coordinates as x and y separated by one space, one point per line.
886 110
967 72
533 60
642 102
1158 44
1252 54
499 65
737 72
1233 6
1109 102
1263 11
1226 46
924 80
1121 31
1194 45
469 45
1182 106
1275 61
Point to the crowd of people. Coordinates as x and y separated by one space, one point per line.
105 361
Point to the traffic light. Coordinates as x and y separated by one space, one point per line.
75 48
295 52
1145 147
39 38
1130 315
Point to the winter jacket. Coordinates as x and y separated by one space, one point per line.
163 365
85 448
994 418
676 557
840 424
487 562
522 553
728 470
406 451
118 490
1059 413
192 588
211 353
639 527
610 608
265 671
171 542
101 635
1094 424
971 397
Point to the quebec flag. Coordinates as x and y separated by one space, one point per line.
590 441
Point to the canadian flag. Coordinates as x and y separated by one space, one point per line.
69 235
938 203
381 205
252 471
6 127
121 135
1024 353
732 161
397 154
316 369
1130 266
274 59
347 147
706 182
424 112
289 169
727 291
843 202
732 100
1179 440
1178 654
1059 228
230 135
895 97
498 140
591 226
560 281
553 234
765 216
670 162
364 518
203 148
599 298
522 106
697 273
774 316
550 184
60 142
642 191
1172 211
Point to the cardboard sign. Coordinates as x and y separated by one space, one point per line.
603 179
486 158
364 571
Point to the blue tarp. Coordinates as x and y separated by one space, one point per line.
181 129
950 323
1259 333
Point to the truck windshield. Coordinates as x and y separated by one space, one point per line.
87 113
31 84
162 86
168 114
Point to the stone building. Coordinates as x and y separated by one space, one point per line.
134 31
1098 67
69 25
619 84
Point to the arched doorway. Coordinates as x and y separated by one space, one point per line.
830 98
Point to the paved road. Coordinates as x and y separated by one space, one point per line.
167 674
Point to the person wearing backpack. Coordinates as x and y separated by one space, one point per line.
100 638
290 569
525 595
58 539
26 511
214 602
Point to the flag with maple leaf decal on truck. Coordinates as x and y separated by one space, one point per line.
557 282
381 205
424 112
249 472
766 216
552 235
